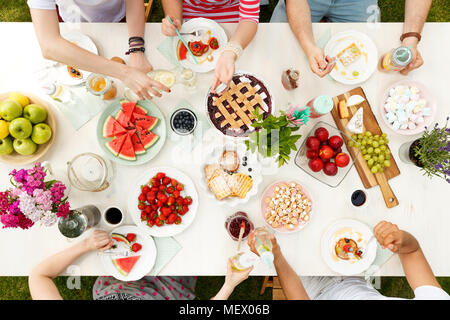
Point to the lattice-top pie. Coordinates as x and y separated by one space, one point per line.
232 111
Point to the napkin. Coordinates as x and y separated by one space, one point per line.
166 249
166 48
383 255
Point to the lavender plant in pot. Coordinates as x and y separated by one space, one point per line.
430 152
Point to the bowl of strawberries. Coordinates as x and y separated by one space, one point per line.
324 155
163 202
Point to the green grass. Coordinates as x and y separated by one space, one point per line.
16 288
391 11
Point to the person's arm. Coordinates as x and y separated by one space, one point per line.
174 10
299 17
290 282
417 270
41 277
135 13
416 12
232 280
55 47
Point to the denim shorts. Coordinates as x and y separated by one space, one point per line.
334 11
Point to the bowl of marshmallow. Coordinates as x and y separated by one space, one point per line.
407 107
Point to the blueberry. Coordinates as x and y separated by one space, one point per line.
244 164
249 169
244 158
346 240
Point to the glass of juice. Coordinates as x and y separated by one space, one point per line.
233 225
100 85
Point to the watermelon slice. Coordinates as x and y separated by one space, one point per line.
148 138
124 120
127 150
137 145
140 110
124 265
144 121
116 144
181 51
112 128
128 108
120 238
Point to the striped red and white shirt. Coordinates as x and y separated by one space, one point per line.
222 10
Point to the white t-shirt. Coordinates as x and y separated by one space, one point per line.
84 10
356 288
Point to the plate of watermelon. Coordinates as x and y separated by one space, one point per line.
131 133
182 188
140 258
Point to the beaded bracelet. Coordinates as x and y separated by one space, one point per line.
131 50
135 39
234 47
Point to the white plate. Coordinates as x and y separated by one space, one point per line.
365 65
165 230
213 156
201 24
354 230
145 263
83 41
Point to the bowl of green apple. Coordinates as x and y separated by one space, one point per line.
27 128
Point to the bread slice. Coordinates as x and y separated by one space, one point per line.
240 185
219 186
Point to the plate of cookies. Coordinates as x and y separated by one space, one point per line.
231 174
286 206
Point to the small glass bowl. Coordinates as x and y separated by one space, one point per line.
302 161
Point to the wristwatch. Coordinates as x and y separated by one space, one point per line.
411 34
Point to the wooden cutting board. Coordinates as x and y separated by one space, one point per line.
368 179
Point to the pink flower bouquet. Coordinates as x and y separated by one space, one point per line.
32 199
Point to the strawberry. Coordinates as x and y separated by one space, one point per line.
131 237
155 182
184 209
166 181
150 223
162 217
173 182
165 211
154 189
159 203
160 175
148 209
162 197
170 201
179 201
162 187
143 215
141 206
171 219
178 220
154 207
151 197
141 197
136 247
176 194
180 187
170 190
188 200
145 189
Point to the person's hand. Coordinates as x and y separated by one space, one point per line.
168 29
318 63
141 84
275 247
417 59
391 237
224 70
233 277
99 240
139 61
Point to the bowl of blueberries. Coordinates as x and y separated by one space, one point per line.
183 121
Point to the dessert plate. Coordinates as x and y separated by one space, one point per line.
358 232
231 112
424 93
83 41
145 263
212 157
160 130
165 230
360 69
269 193
207 28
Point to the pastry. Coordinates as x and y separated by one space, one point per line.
349 54
346 248
233 111
219 186
210 169
229 161
74 73
240 185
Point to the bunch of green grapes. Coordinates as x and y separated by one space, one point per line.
374 150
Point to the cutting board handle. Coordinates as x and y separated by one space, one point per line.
389 197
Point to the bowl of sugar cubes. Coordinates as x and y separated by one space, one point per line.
407 107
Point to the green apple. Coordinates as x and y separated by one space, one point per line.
20 128
6 146
41 133
10 109
24 147
35 113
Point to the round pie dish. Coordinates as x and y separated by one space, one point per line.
234 115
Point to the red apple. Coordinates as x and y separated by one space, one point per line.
315 164
321 134
325 153
342 159
312 154
330 169
335 142
313 143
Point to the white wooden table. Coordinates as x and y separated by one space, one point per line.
423 208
